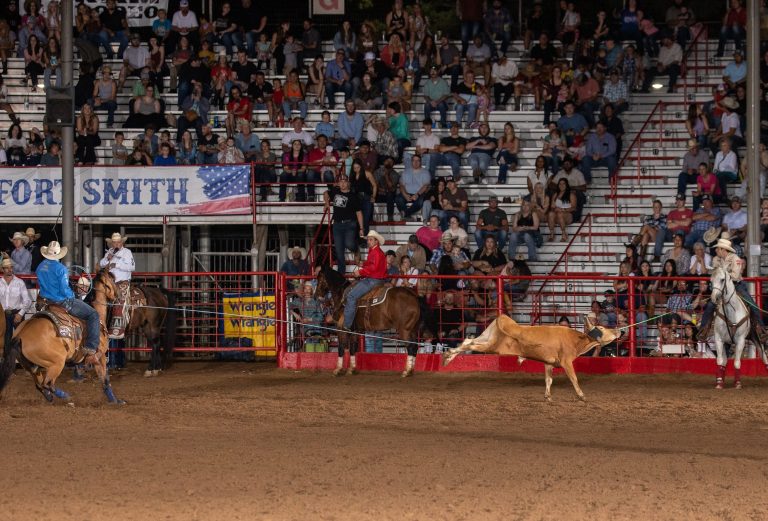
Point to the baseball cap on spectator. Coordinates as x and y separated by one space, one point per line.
413 239
680 233
609 292
391 252
450 179
680 197
370 56
493 198
692 143
706 197
183 3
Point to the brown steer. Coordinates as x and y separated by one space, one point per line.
555 346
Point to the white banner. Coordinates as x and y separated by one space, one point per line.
129 191
320 7
140 13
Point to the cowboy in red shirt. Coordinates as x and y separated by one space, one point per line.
373 273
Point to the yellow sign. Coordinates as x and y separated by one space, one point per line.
251 316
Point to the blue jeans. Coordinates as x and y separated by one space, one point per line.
509 159
47 77
441 107
344 238
450 159
110 106
735 33
119 37
302 109
207 159
588 109
587 164
402 205
357 291
78 308
499 235
661 237
332 88
515 238
468 32
684 179
479 160
461 108
265 175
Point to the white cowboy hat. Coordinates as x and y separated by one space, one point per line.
116 237
725 244
376 235
18 235
54 251
730 103
300 249
7 263
31 234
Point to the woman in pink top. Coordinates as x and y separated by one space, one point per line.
706 184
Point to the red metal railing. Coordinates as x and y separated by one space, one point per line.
694 51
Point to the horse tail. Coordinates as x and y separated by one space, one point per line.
8 366
169 335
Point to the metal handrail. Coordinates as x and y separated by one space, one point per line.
315 238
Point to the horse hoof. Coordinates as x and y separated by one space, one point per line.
338 372
352 372
406 374
582 398
548 399
719 386
737 385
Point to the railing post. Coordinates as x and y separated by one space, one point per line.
632 317
500 309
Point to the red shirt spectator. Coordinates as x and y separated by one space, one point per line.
430 235
678 216
241 107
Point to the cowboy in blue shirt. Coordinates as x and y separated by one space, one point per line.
53 278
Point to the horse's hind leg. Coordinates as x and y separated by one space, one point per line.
737 352
567 366
101 370
47 386
412 348
340 360
548 382
353 345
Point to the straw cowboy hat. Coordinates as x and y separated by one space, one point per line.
447 236
54 251
18 235
376 235
725 244
116 237
301 250
711 235
31 234
7 263
729 103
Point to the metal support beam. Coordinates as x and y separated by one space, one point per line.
753 138
68 136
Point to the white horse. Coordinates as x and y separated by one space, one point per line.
731 324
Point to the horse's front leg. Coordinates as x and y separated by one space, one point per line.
722 360
737 352
100 366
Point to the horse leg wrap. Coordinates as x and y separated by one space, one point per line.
352 363
737 377
410 362
720 376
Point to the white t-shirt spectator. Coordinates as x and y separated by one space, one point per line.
504 74
137 57
303 136
182 21
731 121
428 141
707 264
575 178
735 220
478 54
728 163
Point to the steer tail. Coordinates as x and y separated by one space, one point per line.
9 362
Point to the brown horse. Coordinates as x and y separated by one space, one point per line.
148 320
41 351
400 311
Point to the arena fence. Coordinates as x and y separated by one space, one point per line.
268 315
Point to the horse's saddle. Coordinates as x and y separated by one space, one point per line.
373 298
67 326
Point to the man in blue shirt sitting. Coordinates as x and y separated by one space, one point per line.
53 278
601 151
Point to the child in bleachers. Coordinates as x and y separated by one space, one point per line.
263 52
206 54
291 49
483 105
277 103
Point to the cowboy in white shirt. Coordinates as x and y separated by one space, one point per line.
14 297
119 260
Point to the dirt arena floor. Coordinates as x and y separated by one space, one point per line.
236 441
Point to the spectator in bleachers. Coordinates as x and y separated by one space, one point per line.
385 143
668 62
586 91
735 73
349 126
86 136
181 55
379 74
436 93
492 221
183 23
135 60
450 61
488 259
363 184
345 39
366 41
400 90
290 50
726 166
632 71
338 78
294 163
465 96
433 198
52 62
388 184
396 21
454 202
534 25
418 27
517 288
631 256
654 225
680 18
572 124
239 110
649 34
478 59
616 92
503 74
398 126
764 219
194 110
430 234
646 288
450 150
161 26
207 146
261 91
324 126
157 68
427 146
138 158
729 127
191 73
601 151
16 146
539 174
697 125
701 261
33 61
89 28
525 229
187 151
569 26
221 74
119 150
734 27
562 206
243 71
427 56
680 302
574 176
278 40
251 25
691 162
297 133
53 156
544 53
509 147
554 92
679 253
706 184
224 28
735 221
498 26
105 95
458 261
114 26
4 105
414 184
296 265
481 150
247 142
315 80
450 320
229 154
264 170
367 94
164 158
31 26
414 252
311 41
708 216
347 220
629 28
7 43
147 110
367 156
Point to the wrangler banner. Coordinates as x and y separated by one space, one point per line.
102 191
252 316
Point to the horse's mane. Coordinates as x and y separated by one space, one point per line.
334 279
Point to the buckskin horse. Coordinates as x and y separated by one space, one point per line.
398 310
51 338
152 314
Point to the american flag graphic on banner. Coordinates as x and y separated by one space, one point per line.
227 188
